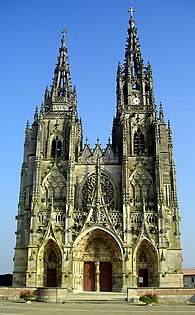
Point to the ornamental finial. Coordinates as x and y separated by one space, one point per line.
64 31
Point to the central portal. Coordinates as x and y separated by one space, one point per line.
97 263
97 275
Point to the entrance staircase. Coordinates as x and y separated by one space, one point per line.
96 297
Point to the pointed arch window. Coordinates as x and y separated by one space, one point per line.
139 142
56 148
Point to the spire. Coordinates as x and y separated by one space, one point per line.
61 83
61 89
133 53
133 76
134 81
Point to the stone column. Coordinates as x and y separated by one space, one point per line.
97 276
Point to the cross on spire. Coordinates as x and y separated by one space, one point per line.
131 9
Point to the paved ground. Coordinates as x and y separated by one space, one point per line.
13 308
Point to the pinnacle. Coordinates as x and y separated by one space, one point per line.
36 114
161 113
63 41
27 125
170 130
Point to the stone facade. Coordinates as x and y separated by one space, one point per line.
99 219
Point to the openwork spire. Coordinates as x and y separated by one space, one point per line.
61 90
133 56
134 81
61 83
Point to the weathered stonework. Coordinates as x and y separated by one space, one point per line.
99 219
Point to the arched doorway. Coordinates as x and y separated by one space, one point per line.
146 265
52 265
98 263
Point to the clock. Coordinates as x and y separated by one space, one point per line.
136 100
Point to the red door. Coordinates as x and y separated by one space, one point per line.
89 276
106 276
51 277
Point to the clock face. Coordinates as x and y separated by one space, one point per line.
136 100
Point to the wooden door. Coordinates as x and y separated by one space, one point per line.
143 278
51 277
105 276
89 276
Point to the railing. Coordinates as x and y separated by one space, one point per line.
138 217
58 217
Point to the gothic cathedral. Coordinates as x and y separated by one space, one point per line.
99 219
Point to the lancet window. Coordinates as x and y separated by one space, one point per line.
54 190
139 142
56 147
141 187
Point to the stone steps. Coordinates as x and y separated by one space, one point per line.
96 297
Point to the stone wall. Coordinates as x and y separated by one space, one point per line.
9 293
165 295
52 295
59 295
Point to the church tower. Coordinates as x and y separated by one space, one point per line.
94 219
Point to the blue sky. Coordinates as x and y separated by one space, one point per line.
97 31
